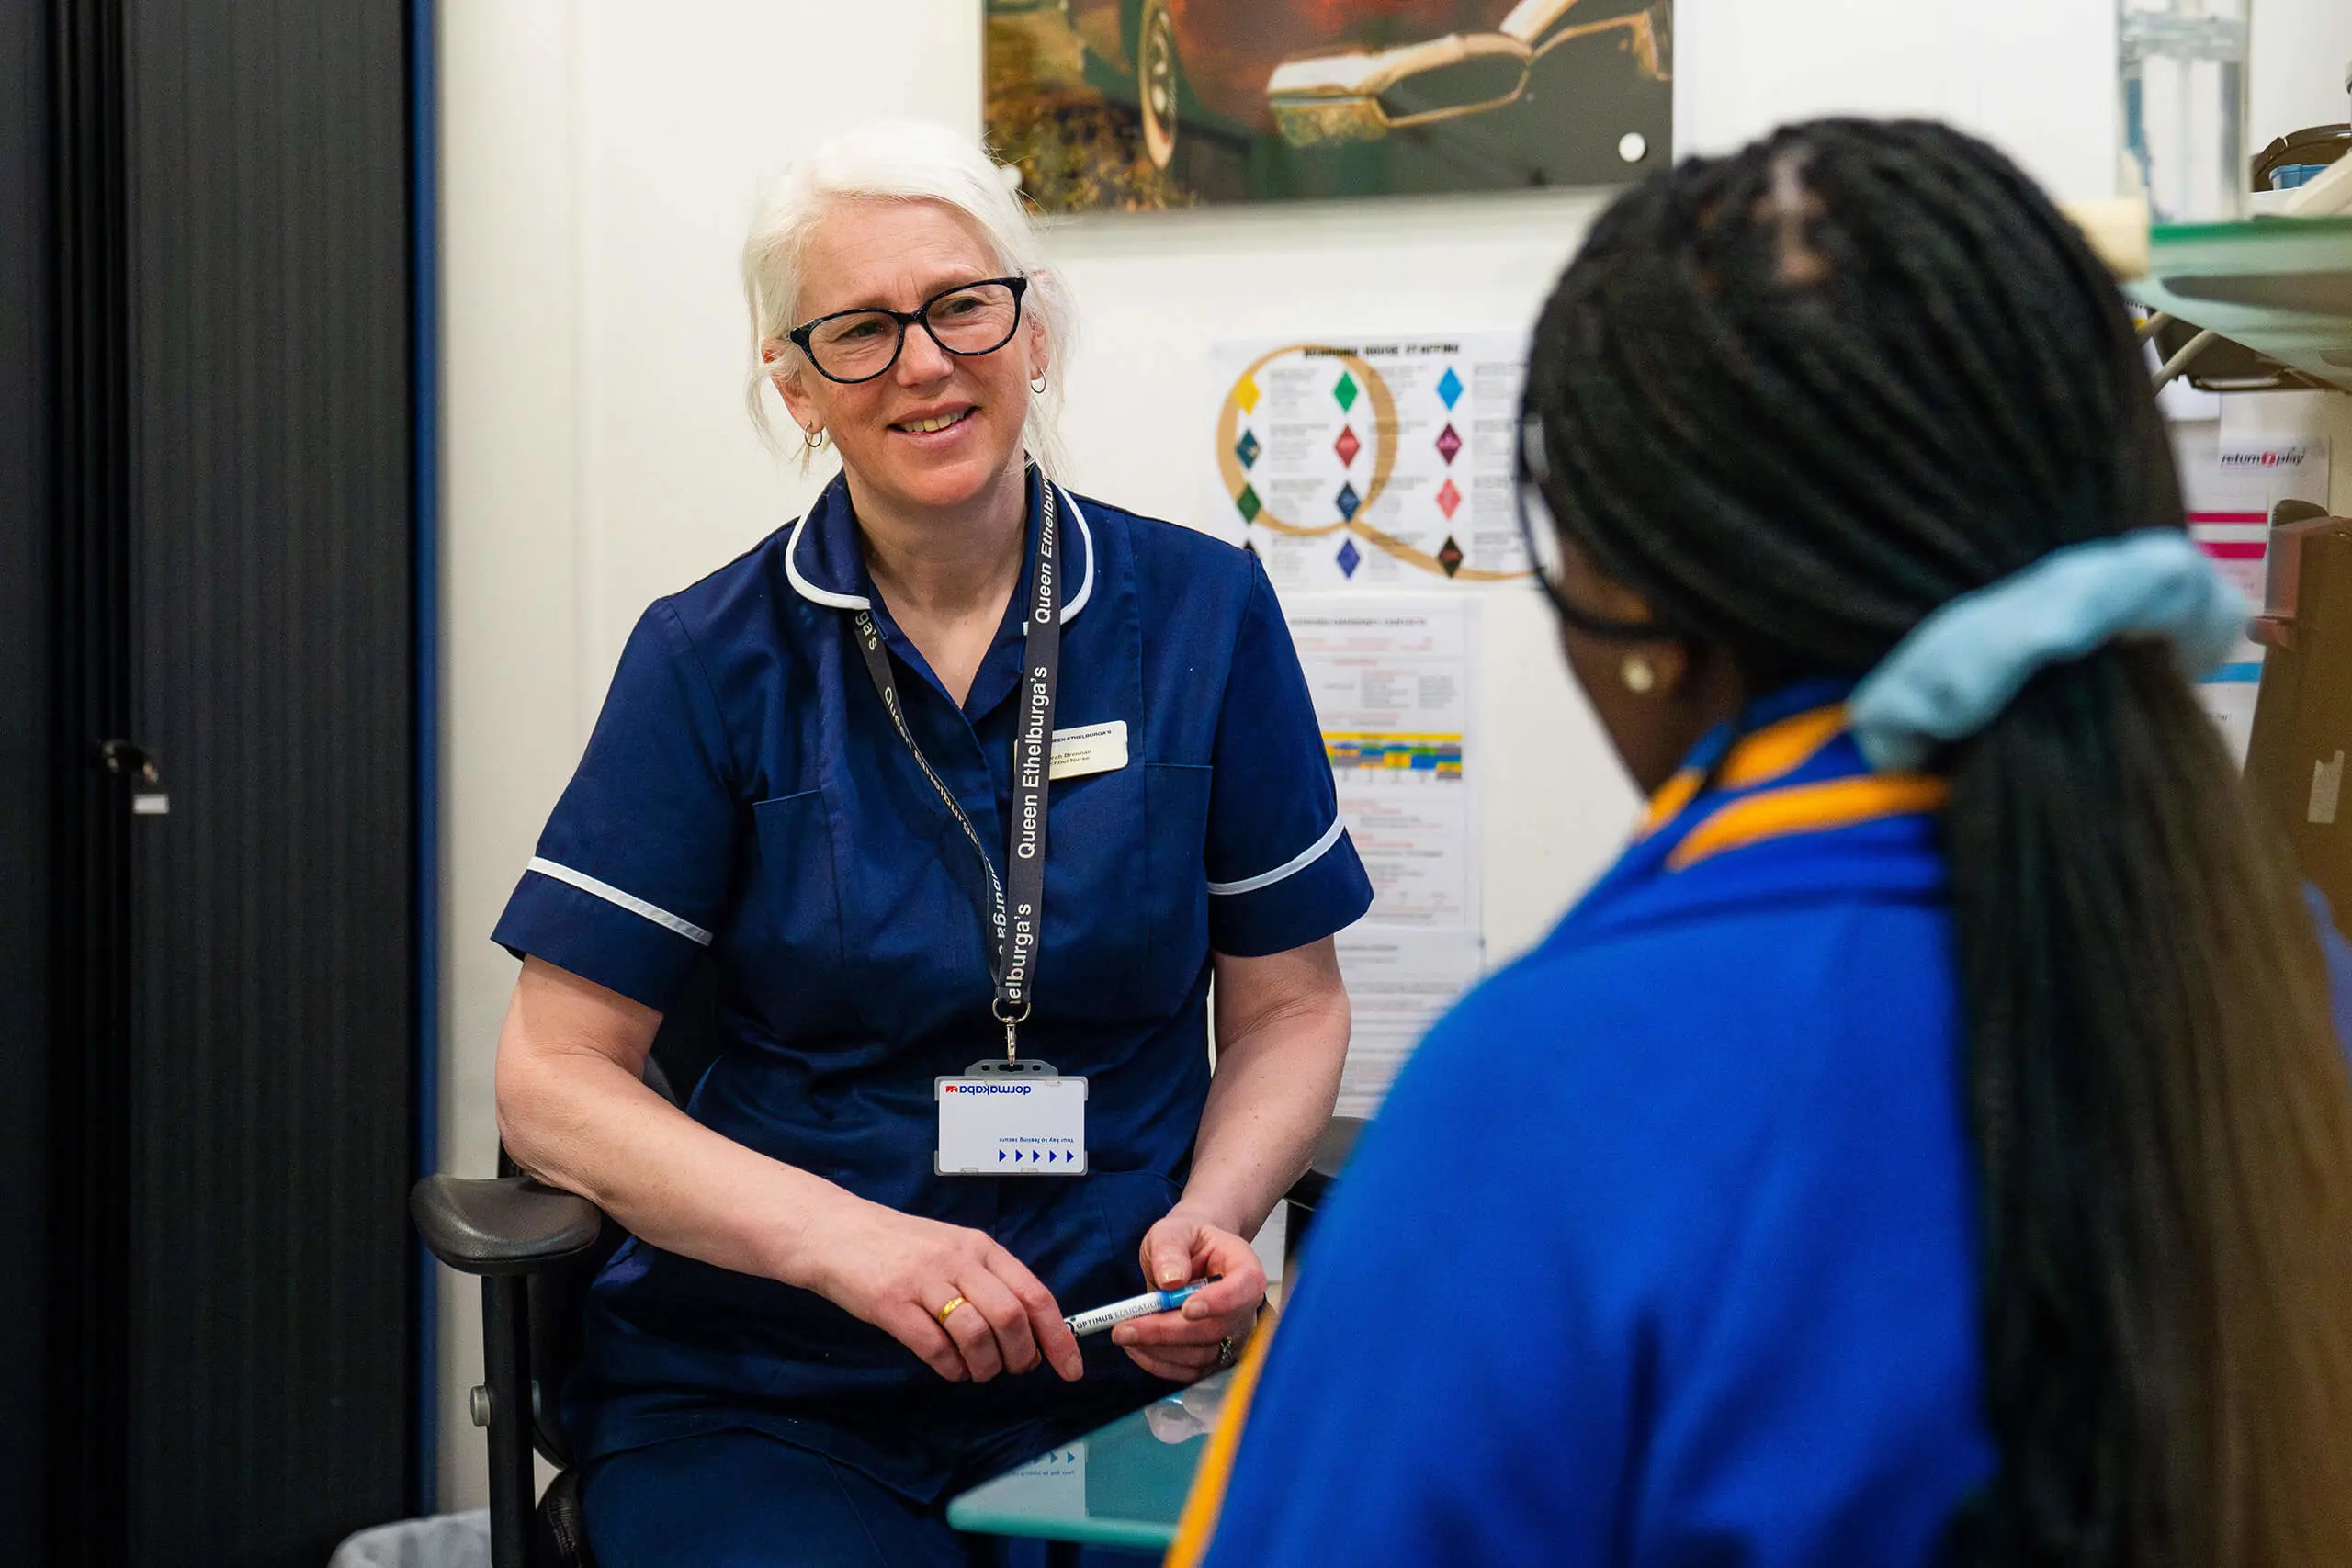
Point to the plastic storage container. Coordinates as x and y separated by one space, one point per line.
2183 66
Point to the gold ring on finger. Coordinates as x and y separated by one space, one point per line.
953 1302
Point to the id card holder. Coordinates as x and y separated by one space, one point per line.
1002 1118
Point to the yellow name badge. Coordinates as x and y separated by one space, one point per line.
1097 749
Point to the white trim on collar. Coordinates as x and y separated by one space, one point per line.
826 596
809 590
1086 584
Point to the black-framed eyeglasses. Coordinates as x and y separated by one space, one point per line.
1540 532
969 320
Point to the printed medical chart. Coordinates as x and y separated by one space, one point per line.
1371 464
1394 683
2230 496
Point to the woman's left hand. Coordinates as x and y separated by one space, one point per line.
1199 1336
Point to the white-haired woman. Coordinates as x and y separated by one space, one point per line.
957 768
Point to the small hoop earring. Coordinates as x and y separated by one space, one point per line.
815 437
1037 384
1638 674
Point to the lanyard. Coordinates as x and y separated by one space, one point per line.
1015 923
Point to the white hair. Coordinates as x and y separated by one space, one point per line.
899 161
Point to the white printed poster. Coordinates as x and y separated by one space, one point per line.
2230 495
1381 464
1394 683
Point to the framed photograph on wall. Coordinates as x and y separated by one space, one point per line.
1138 104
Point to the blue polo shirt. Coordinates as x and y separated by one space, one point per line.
744 794
1663 1249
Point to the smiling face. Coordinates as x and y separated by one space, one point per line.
936 429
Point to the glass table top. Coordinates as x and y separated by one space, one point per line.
2280 286
1122 1484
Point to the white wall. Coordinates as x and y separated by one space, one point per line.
2036 77
599 165
2300 53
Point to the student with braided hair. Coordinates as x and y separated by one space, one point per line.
1930 1142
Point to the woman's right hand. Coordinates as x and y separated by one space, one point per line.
896 1271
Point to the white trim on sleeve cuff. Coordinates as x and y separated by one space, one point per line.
612 894
1290 867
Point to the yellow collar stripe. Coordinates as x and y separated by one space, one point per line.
1779 750
1198 1522
1775 751
1672 797
1810 809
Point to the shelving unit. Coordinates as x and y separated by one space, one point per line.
2280 286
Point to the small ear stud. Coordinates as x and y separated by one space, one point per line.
1638 673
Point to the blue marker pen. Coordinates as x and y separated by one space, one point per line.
1144 1305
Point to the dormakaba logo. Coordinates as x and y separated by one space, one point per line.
2284 457
984 1088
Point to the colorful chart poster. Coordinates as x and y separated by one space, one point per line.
2230 497
1394 687
1376 464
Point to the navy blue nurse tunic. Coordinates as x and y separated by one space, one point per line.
745 794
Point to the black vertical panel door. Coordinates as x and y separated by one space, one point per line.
272 596
24 400
86 623
230 1142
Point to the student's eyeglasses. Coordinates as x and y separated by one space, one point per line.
969 320
1542 533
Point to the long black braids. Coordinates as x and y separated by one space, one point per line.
1798 398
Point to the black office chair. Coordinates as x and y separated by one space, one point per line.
537 1248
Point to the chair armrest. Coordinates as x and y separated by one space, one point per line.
503 1225
1332 1146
